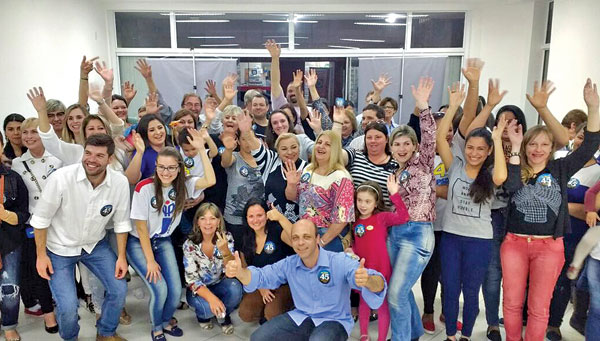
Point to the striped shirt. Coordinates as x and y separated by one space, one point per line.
362 169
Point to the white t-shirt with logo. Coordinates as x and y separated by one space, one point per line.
193 165
161 223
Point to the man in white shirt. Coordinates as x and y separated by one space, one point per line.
70 221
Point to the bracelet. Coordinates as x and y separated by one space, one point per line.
101 102
511 154
321 242
84 78
338 122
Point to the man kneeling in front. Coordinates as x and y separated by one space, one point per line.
320 282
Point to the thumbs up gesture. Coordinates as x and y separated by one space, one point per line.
233 266
361 276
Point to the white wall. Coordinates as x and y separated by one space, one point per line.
574 52
43 43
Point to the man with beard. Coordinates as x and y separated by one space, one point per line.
70 220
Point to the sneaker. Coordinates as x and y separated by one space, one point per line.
205 324
578 325
494 335
428 324
553 334
227 326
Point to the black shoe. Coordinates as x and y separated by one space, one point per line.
89 304
51 330
578 325
373 317
553 334
463 339
494 335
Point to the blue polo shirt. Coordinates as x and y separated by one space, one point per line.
320 293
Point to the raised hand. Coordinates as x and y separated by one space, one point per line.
211 88
539 99
314 120
338 114
104 72
233 266
196 139
205 135
222 243
361 276
592 218
152 106
392 184
144 68
244 122
273 48
153 273
291 173
230 79
267 295
37 98
590 94
499 128
494 94
297 82
138 142
229 92
86 67
274 214
311 78
128 91
229 142
422 92
472 71
456 94
383 81
95 93
515 133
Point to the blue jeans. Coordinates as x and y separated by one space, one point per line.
101 262
228 290
493 276
464 266
409 246
282 327
336 244
592 273
165 293
9 287
96 286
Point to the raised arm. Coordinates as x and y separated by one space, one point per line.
472 73
293 178
494 97
500 171
229 91
37 98
245 126
197 141
103 108
275 52
539 100
338 119
227 158
128 90
146 71
590 95
311 82
515 135
108 77
383 82
134 170
456 95
84 70
211 88
286 225
297 86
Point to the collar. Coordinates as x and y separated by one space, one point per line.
322 261
27 155
81 176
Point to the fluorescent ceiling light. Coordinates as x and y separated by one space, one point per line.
211 37
219 45
364 23
364 40
295 37
203 21
343 47
309 14
397 15
293 20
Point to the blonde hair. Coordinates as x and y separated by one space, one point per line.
196 235
67 134
231 110
30 123
526 171
352 117
286 136
335 155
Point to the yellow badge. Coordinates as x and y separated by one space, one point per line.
370 228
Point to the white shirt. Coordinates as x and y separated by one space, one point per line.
160 223
40 168
76 214
358 143
193 165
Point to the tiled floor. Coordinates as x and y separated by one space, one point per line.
32 328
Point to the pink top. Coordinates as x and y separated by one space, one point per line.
417 182
370 236
589 201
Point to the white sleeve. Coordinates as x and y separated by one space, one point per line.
190 186
306 147
120 218
140 204
68 153
49 203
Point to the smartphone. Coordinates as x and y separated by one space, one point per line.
340 102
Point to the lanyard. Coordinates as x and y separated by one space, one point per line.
33 177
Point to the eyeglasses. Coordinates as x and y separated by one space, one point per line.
52 116
389 107
162 169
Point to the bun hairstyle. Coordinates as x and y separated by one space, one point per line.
374 189
482 187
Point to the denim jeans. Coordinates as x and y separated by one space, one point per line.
464 265
282 327
431 277
165 293
493 276
101 261
592 273
409 246
9 287
228 290
96 287
335 245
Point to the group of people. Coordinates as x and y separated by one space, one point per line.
303 218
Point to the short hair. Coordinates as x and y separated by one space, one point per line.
55 105
190 94
574 116
120 98
389 100
286 136
101 140
32 122
182 137
249 95
378 110
184 112
260 96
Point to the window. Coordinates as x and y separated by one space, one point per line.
549 23
142 30
437 30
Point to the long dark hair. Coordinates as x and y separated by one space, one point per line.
178 183
519 115
373 188
380 127
143 125
249 236
482 187
270 136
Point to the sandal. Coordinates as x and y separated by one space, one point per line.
125 318
205 324
365 338
227 329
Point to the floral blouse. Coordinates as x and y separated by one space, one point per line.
201 270
327 199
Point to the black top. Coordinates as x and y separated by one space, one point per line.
217 193
535 202
9 152
273 251
259 131
16 199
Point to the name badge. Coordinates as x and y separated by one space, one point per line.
324 276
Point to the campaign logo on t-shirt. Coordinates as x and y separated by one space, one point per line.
370 228
104 211
172 194
545 179
221 150
189 162
359 230
269 247
404 176
305 177
153 203
244 171
167 210
573 182
324 276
